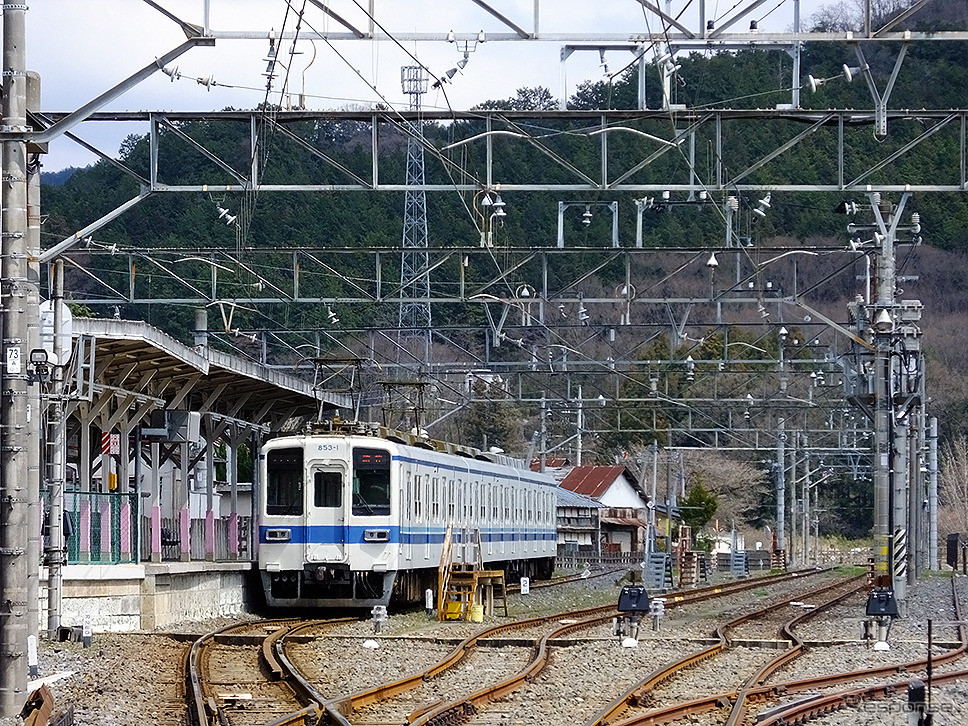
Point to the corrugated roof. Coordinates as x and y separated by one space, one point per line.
551 462
568 498
622 521
592 481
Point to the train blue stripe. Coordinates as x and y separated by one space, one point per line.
323 534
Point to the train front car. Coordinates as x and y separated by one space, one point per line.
328 535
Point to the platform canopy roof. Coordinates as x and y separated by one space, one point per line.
147 369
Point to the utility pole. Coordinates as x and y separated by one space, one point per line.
781 486
15 294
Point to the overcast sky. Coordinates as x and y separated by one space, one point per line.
84 47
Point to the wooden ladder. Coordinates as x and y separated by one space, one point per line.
443 571
458 583
461 592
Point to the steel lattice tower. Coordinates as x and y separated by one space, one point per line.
414 316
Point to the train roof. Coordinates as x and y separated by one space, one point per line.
339 427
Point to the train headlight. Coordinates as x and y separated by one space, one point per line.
376 535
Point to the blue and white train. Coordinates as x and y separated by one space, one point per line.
355 518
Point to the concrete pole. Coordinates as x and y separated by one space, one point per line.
933 493
793 501
543 456
781 485
883 415
35 404
209 490
805 528
58 463
15 287
183 509
580 426
232 472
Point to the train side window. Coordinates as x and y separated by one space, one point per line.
414 498
435 499
328 489
284 482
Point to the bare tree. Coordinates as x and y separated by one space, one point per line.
849 14
953 510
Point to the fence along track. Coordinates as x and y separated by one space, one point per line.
639 693
466 706
804 710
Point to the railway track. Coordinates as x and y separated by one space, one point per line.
642 694
555 628
241 678
734 704
237 676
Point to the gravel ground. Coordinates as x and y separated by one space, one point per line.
136 673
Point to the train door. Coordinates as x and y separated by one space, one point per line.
326 517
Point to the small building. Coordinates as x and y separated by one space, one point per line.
624 515
579 525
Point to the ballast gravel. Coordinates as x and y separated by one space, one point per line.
125 679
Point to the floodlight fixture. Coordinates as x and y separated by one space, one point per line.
754 26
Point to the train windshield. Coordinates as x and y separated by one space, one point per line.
284 481
371 482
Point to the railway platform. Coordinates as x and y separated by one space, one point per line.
145 596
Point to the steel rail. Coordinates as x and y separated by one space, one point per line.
639 692
464 707
202 709
738 711
814 707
